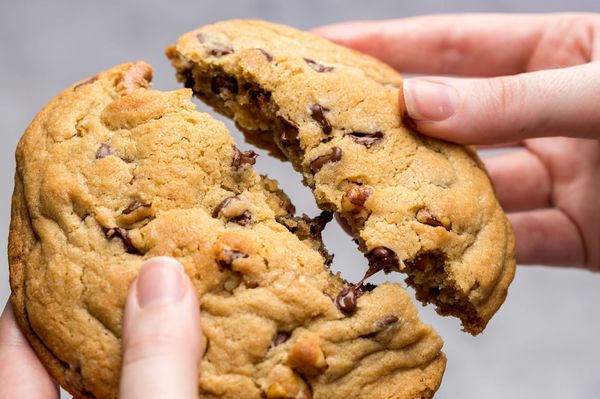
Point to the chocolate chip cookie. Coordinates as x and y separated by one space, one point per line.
111 173
416 205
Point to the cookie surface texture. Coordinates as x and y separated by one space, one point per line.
416 205
111 173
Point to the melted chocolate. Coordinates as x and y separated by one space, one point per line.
258 97
318 163
124 236
241 159
346 300
224 84
318 114
230 256
280 338
289 133
223 204
366 139
382 258
243 220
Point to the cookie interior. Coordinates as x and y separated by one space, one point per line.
242 84
111 173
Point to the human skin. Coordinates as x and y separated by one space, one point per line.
529 81
536 85
162 342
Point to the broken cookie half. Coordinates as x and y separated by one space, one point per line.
111 173
415 204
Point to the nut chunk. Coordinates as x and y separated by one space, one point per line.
306 355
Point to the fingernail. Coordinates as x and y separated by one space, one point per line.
160 282
429 101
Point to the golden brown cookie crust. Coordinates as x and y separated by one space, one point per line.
415 204
111 173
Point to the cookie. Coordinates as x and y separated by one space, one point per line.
415 205
111 173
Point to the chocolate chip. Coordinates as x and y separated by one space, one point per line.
318 67
328 258
423 216
241 159
186 76
124 236
366 139
386 322
233 254
104 151
243 220
258 97
382 258
229 255
346 300
318 114
280 338
134 206
217 49
427 261
136 211
223 204
318 224
268 56
223 84
367 287
289 132
85 82
334 156
220 50
381 325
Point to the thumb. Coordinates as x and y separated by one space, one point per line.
557 102
162 337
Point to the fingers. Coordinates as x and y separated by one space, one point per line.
21 373
558 102
475 44
162 337
521 180
469 44
547 237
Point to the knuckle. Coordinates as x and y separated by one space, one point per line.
508 99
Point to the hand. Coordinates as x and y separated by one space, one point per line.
162 342
551 186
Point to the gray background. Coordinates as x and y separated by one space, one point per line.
543 343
